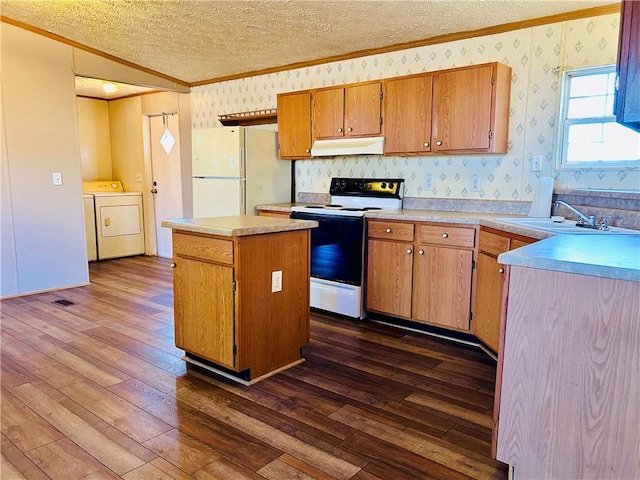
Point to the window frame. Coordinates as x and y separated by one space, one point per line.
565 123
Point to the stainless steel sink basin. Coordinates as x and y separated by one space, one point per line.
567 226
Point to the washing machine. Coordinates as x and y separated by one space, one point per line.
119 219
89 210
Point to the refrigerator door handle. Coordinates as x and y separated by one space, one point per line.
242 162
242 207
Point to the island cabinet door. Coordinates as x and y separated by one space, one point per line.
204 310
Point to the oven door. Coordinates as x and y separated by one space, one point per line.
336 247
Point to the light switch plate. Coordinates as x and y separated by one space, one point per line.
428 182
56 178
475 183
536 163
276 281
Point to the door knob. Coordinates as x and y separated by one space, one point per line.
349 129
154 190
339 130
445 235
388 230
438 143
421 252
426 144
501 270
409 250
173 265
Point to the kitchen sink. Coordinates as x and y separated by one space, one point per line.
566 226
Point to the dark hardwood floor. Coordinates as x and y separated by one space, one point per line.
97 390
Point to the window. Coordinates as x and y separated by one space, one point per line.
589 134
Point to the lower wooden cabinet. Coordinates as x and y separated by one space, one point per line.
225 310
490 283
424 277
205 323
274 213
389 277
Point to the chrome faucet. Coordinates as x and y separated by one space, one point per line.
583 220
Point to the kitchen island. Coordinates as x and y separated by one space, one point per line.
568 379
241 293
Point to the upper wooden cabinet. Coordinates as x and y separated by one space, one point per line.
627 105
462 110
407 114
294 125
457 111
351 110
471 109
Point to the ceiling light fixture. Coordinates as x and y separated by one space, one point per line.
109 87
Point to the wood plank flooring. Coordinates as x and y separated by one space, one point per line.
97 390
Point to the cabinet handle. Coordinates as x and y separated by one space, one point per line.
349 129
426 144
445 235
339 130
308 150
501 270
389 230
438 143
409 250
421 252
173 265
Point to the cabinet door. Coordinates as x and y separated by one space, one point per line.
442 286
462 109
328 113
407 114
490 283
294 125
627 99
363 110
389 272
204 310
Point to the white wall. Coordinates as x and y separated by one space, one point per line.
44 222
95 139
43 244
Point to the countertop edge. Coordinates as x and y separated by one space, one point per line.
226 227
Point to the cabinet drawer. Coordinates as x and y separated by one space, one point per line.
390 230
203 248
493 244
446 235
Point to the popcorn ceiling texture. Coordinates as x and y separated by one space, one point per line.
532 53
199 40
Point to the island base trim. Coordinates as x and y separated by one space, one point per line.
239 380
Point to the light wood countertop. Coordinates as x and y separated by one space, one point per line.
238 225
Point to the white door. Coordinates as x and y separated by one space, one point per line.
166 179
218 152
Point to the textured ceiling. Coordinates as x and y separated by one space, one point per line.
196 41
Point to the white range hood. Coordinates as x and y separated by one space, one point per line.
348 146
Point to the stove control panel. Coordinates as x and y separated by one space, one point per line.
369 187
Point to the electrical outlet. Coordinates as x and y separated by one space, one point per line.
536 163
276 281
475 183
428 182
56 178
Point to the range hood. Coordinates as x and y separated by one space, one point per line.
348 146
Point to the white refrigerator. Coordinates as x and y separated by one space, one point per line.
236 168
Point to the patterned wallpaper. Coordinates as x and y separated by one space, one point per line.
532 53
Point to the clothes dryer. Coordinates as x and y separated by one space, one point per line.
119 219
